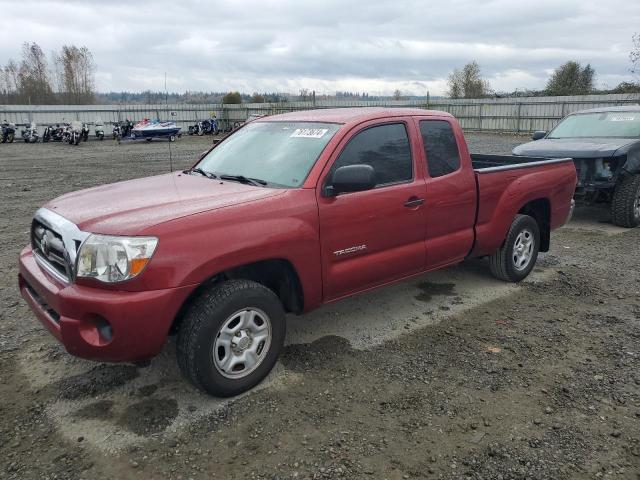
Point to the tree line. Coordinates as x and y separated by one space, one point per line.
68 77
570 78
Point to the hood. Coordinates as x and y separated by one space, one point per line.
574 147
126 208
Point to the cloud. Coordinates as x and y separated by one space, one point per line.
277 45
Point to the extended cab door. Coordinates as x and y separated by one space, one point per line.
372 237
451 191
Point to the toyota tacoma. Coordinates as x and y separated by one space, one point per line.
288 213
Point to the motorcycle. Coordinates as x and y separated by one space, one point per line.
84 132
47 133
30 134
59 132
99 130
8 132
73 133
204 127
122 129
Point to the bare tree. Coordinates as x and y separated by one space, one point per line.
634 56
468 82
304 94
10 82
76 74
34 84
397 95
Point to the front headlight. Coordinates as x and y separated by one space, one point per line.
114 259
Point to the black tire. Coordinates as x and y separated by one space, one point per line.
625 206
10 137
202 323
502 263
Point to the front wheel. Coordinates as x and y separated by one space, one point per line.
10 137
231 337
516 258
625 206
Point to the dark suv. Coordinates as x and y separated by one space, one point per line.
605 146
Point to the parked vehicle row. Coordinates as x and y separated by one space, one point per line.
72 133
76 131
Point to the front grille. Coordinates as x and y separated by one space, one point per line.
48 245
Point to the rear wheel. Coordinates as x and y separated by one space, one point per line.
231 337
516 258
10 137
625 206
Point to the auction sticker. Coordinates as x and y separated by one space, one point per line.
309 132
622 118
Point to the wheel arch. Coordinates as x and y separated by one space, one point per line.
278 275
540 210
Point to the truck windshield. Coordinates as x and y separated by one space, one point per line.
280 153
602 124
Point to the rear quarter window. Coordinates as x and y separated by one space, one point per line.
440 147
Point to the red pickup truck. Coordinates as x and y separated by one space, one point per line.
287 213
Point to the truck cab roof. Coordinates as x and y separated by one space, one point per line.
350 115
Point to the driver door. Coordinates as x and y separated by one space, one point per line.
372 237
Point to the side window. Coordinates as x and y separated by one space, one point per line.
440 147
385 148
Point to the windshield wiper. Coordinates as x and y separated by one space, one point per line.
202 172
242 179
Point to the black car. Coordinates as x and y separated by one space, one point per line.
605 146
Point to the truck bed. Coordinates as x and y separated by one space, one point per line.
486 163
505 182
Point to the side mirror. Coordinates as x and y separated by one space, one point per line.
538 135
351 178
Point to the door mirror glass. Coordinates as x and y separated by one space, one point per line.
538 135
351 178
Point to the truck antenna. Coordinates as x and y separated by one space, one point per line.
166 110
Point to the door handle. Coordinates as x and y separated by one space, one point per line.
414 202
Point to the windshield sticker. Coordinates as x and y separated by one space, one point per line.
309 132
622 118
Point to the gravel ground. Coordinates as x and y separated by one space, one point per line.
469 378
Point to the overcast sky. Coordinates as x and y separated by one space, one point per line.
372 45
